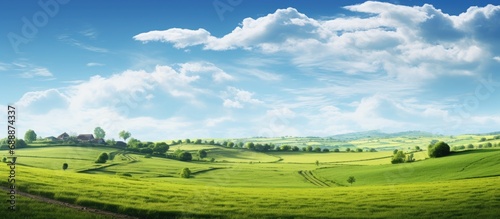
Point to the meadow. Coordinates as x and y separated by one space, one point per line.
240 183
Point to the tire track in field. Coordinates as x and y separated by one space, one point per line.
308 175
473 162
73 206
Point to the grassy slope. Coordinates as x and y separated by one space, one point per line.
270 189
465 164
34 209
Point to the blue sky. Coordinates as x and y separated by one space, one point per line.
179 69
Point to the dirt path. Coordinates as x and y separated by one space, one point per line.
308 175
67 205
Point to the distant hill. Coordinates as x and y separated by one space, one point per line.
379 134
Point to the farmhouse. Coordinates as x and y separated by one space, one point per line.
63 136
85 137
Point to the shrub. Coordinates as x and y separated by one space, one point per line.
410 158
103 157
470 146
489 145
65 166
147 156
399 157
185 173
359 150
336 150
373 150
185 156
348 149
326 150
482 139
480 146
317 149
440 149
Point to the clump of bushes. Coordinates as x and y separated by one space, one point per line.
185 173
439 149
103 157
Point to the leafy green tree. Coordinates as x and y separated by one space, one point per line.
336 150
440 149
373 150
410 158
198 141
359 150
4 159
160 148
202 153
326 150
351 180
295 148
395 151
103 157
482 139
185 173
230 144
185 156
285 148
211 142
309 148
470 146
317 162
188 141
489 145
250 145
65 166
99 132
317 149
348 150
399 157
417 148
304 149
30 136
124 134
240 144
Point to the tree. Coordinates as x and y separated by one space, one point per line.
185 156
202 153
373 150
410 158
359 150
482 139
230 144
285 148
440 149
351 180
240 144
185 173
348 149
317 162
399 157
211 142
124 134
188 141
198 141
103 157
309 148
336 150
489 145
65 166
326 150
417 148
160 148
99 132
20 143
470 146
250 145
30 136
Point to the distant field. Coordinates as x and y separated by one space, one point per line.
475 163
332 157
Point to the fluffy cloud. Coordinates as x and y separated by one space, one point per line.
407 43
111 102
235 98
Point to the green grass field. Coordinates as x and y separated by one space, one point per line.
246 184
